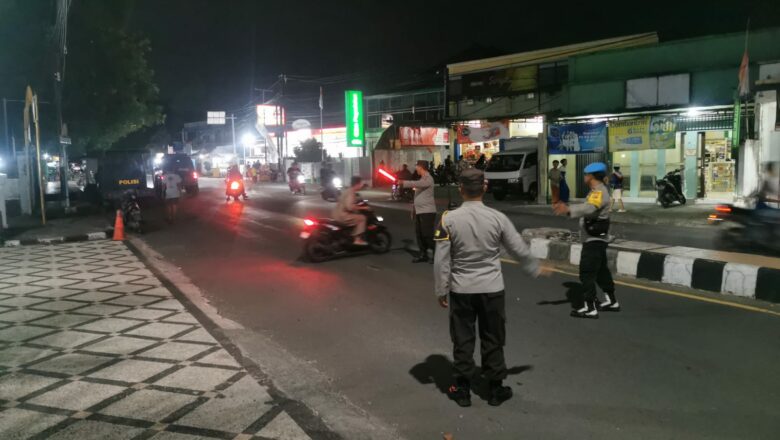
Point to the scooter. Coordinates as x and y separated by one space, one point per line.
747 228
131 211
298 184
331 191
670 189
234 189
325 239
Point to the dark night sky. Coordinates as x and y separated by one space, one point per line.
202 49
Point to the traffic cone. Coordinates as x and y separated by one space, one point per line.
119 226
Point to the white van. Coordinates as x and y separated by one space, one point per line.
514 170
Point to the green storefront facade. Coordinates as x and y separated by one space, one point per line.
692 82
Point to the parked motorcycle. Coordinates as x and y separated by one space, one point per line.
234 188
331 190
325 239
298 184
131 211
670 189
747 228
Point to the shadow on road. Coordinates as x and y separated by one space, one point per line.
438 369
573 295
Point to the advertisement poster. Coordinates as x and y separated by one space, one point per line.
577 138
663 132
493 131
629 134
423 136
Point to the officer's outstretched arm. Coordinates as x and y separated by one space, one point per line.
515 245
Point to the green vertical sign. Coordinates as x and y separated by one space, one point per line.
353 107
735 134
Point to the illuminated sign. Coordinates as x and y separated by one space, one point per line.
270 115
215 118
353 107
129 182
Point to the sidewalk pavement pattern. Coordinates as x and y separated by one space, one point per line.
92 345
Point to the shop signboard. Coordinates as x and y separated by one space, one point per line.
423 136
646 133
577 138
501 82
270 115
489 132
353 108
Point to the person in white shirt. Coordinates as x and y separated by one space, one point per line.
172 194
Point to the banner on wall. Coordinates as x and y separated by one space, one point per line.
490 132
423 136
577 138
647 133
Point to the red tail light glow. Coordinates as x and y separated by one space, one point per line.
194 175
234 185
386 174
309 222
723 208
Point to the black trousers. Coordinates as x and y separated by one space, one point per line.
594 270
424 226
488 311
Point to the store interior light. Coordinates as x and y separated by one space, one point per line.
693 112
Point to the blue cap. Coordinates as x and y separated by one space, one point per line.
596 167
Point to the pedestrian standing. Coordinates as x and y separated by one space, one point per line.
424 210
564 186
468 280
555 181
172 192
594 234
616 183
481 162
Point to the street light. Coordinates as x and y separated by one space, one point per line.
248 140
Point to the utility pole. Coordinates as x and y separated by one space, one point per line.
41 186
5 124
233 127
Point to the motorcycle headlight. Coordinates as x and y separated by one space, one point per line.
379 218
337 182
301 179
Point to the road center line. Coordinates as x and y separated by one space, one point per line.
672 293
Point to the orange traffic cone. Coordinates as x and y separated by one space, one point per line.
119 226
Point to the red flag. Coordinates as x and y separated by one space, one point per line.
744 75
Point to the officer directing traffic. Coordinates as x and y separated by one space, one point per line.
467 268
594 234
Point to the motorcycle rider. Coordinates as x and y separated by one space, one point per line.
347 211
292 175
405 174
234 174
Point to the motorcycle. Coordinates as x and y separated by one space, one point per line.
235 189
325 239
399 194
670 189
747 228
131 211
298 184
331 191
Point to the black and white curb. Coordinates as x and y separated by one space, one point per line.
65 239
708 274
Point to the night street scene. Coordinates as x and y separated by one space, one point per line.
428 220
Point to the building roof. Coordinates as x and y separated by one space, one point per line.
551 54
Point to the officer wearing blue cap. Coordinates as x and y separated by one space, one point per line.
594 234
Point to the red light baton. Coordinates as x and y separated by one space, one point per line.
386 174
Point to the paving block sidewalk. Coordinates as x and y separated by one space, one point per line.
94 346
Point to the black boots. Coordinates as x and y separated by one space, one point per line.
498 393
461 392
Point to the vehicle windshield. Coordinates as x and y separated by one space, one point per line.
508 162
178 162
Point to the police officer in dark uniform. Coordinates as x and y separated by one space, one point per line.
594 234
468 280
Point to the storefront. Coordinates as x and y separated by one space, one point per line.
475 138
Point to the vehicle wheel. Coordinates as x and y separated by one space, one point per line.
380 243
664 201
316 250
533 193
499 195
682 200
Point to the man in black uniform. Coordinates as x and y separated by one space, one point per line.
467 268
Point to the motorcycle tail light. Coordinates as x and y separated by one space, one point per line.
234 185
723 208
194 175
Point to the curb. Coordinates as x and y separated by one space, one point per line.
743 280
63 239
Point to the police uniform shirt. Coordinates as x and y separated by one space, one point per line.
468 250
596 206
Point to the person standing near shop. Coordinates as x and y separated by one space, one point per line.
555 182
468 281
172 190
616 183
424 210
594 234
564 187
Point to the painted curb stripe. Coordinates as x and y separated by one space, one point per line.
768 284
651 266
707 275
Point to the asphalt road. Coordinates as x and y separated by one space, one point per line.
665 367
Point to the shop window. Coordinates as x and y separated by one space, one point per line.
658 91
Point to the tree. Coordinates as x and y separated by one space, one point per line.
310 150
109 88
